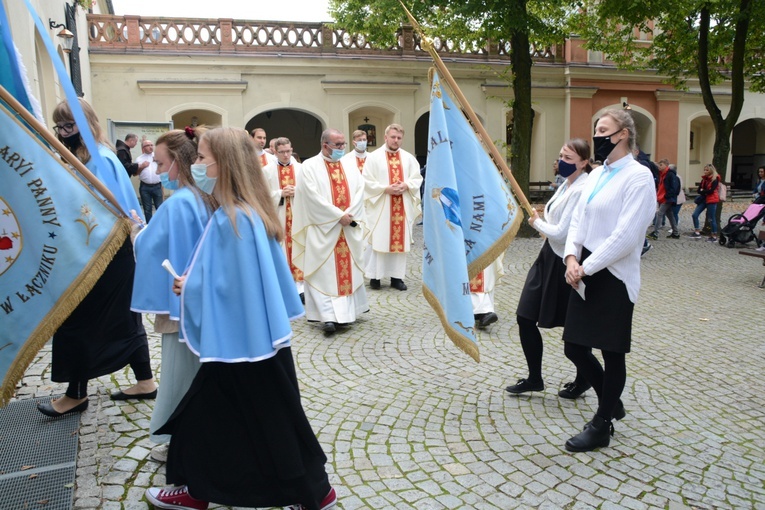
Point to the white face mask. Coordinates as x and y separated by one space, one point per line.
199 173
361 146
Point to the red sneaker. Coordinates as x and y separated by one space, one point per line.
174 498
329 501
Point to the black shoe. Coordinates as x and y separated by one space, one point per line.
302 298
596 434
484 320
653 236
572 390
48 410
329 328
673 236
120 395
619 412
397 283
374 284
523 385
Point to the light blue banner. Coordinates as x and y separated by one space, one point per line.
469 215
56 237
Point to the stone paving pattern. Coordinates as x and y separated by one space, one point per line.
410 422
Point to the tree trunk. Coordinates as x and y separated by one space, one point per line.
520 158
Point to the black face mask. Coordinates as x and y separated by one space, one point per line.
72 142
603 146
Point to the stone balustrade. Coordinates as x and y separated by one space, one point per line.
137 34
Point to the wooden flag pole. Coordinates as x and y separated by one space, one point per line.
61 148
477 126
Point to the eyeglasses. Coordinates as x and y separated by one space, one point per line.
287 151
66 127
337 145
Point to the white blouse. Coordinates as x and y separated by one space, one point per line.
558 212
610 220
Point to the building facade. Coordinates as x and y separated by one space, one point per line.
296 79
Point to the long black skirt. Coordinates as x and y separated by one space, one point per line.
545 294
102 334
241 437
603 319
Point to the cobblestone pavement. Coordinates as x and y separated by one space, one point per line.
409 421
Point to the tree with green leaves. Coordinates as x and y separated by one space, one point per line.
472 22
719 42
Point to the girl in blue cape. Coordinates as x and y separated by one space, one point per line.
240 436
172 235
102 334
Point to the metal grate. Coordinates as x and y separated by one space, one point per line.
37 457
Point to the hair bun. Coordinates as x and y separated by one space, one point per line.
189 132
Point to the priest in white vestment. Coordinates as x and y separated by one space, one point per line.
288 172
328 235
482 293
392 203
268 163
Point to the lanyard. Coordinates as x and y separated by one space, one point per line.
600 185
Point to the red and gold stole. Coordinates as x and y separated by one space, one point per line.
287 178
263 160
397 213
341 198
476 284
360 164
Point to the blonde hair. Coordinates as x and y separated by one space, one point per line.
241 182
358 133
62 113
397 127
712 168
624 120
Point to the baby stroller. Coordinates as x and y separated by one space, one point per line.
740 227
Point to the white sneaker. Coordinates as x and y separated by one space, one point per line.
761 248
159 452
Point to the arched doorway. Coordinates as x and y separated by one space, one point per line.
748 151
421 128
302 129
373 120
196 117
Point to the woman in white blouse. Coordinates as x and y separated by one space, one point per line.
545 295
602 257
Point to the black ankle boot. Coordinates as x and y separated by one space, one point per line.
596 434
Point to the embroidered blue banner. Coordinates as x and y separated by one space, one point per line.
469 217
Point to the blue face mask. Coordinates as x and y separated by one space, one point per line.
361 146
164 178
199 173
337 154
565 169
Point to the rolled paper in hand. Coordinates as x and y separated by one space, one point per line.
169 268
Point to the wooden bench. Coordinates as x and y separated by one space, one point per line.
757 254
540 192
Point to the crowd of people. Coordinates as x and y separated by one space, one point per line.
252 238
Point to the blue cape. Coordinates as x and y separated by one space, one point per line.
115 178
239 295
172 234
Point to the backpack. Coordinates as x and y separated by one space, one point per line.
722 191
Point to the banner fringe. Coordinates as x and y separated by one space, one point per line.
464 344
497 249
63 308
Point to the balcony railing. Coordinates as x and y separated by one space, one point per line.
137 34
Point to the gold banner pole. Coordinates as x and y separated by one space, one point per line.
477 126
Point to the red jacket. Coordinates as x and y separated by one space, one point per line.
708 189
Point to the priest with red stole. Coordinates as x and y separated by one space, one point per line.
328 229
392 203
289 173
